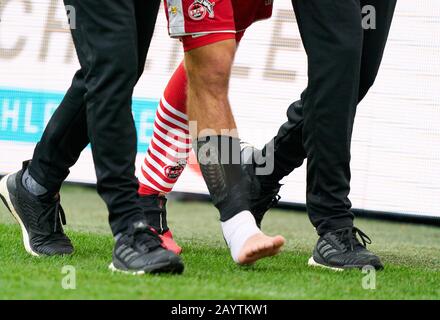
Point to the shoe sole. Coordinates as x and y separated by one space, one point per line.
155 269
313 263
4 195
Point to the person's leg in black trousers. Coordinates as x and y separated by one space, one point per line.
112 40
343 64
66 134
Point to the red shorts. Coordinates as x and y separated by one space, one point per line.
201 22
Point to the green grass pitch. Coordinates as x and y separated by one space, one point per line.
411 254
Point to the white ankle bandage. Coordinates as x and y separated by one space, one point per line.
238 230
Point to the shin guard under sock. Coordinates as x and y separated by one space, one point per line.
219 160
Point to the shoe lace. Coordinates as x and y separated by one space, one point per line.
348 237
144 238
53 213
271 200
275 200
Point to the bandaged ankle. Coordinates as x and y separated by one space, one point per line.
238 230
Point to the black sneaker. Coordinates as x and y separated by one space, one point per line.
341 250
39 217
155 211
262 197
139 252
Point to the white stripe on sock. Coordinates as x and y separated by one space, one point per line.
171 119
171 109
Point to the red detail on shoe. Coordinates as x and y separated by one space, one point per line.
169 243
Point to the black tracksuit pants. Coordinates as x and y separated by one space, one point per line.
344 59
111 38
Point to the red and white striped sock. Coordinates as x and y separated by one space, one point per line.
170 146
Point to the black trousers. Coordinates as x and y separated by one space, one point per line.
111 38
344 59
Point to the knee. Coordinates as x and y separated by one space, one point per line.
210 71
213 77
127 73
122 66
350 53
338 55
216 75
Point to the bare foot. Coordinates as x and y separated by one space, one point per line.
260 246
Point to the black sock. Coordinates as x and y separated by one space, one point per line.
219 159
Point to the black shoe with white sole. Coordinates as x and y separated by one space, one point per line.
262 197
40 218
341 249
139 251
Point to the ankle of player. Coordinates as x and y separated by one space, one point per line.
238 230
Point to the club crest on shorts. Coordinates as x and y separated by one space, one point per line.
200 8
174 172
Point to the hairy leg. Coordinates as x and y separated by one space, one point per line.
218 150
209 70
